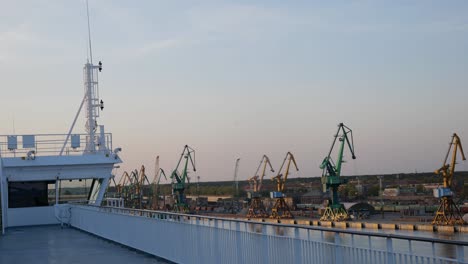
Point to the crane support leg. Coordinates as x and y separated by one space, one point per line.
335 213
280 209
256 209
448 213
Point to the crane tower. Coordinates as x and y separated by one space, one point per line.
448 212
331 175
280 208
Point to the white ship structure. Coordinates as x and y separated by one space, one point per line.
34 166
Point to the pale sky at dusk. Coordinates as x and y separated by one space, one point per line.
245 78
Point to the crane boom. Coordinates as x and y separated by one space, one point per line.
281 178
266 161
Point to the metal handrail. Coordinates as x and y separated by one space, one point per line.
48 144
315 228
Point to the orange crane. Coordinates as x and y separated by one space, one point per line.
257 209
280 208
448 212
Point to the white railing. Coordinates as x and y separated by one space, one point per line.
186 238
48 144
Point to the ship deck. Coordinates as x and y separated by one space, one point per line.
52 244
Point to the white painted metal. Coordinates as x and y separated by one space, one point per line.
16 169
114 202
2 199
92 104
62 213
41 156
29 216
52 145
199 239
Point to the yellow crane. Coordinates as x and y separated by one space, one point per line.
140 182
281 209
122 183
257 209
448 212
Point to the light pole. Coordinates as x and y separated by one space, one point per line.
198 188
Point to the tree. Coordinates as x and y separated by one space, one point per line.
419 188
373 191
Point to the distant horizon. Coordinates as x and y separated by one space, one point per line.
244 79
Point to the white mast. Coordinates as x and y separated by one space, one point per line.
90 72
91 100
93 105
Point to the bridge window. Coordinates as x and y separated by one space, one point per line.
31 194
74 190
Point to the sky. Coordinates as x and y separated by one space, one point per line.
239 79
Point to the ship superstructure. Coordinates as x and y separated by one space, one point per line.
39 171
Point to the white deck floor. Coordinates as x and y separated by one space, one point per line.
51 244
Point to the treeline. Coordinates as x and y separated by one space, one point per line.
301 185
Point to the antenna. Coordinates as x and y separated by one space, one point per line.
89 34
94 139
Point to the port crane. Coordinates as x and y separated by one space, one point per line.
331 175
141 179
280 208
257 209
448 212
236 181
138 179
158 172
122 189
180 180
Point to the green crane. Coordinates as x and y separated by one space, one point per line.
331 175
181 180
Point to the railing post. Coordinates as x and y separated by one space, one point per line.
390 258
297 246
460 254
217 248
433 250
266 253
338 251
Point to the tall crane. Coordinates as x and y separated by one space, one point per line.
281 209
119 186
123 188
180 180
448 212
134 201
158 172
331 175
257 209
138 179
236 181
